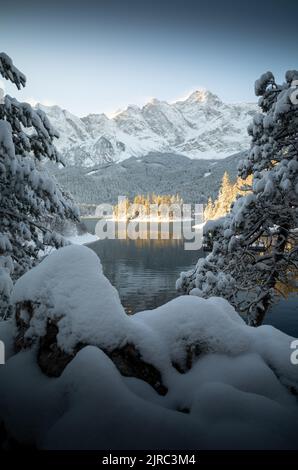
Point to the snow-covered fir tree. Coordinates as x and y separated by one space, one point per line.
30 201
255 246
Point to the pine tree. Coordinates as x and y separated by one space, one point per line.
228 192
255 245
225 194
209 211
30 201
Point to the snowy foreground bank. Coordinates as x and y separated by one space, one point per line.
81 374
81 239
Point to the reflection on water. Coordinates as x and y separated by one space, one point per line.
145 271
284 315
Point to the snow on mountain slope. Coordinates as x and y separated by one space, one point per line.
218 127
201 126
71 128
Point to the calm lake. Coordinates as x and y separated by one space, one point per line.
145 271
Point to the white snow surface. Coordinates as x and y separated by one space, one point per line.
237 391
201 126
82 239
56 283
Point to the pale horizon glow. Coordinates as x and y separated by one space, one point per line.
111 114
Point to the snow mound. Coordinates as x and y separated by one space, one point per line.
70 287
228 385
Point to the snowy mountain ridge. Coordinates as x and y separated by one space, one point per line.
200 126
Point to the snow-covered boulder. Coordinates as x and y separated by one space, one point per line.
66 303
192 370
69 289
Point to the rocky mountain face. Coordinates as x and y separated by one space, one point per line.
201 126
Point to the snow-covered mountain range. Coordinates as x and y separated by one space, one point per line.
201 126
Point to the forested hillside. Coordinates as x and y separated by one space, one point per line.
194 180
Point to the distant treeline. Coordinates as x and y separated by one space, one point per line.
141 205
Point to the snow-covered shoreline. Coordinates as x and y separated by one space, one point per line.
82 239
151 219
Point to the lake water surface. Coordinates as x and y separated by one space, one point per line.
145 271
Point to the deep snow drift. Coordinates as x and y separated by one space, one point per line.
229 385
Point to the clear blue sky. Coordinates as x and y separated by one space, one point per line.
98 56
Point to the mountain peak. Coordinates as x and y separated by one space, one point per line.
154 101
202 96
47 107
133 108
